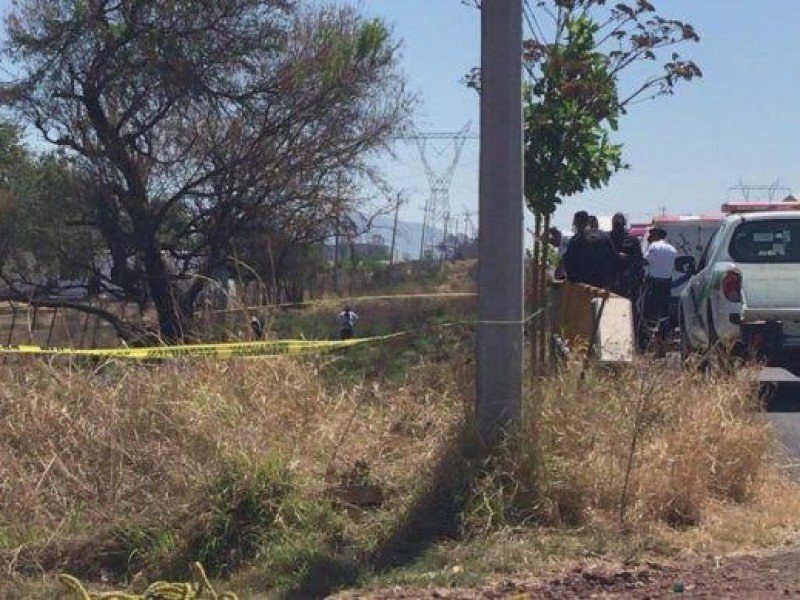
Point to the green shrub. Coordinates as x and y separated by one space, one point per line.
254 510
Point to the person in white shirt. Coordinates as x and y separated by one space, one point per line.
660 260
347 320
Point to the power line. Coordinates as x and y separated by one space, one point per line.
532 21
465 133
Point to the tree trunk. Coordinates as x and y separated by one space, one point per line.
174 321
534 297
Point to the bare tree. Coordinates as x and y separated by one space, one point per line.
196 121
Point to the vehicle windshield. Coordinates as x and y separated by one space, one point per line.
769 241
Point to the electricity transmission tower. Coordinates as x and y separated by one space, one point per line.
437 205
748 192
470 231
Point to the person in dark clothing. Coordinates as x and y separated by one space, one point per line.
590 256
630 272
629 259
558 242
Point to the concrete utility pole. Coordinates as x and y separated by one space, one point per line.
500 280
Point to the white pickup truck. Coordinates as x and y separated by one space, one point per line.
744 295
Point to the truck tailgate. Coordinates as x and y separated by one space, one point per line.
772 293
768 286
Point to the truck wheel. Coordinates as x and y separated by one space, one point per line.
690 357
719 358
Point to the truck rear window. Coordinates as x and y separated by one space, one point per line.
773 241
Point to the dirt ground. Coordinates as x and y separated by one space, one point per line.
775 575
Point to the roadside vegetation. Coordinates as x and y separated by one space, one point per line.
196 143
341 471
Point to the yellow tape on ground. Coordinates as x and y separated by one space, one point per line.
199 587
223 350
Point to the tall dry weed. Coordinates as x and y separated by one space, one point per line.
90 449
135 454
651 445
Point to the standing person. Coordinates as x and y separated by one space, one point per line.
559 242
629 258
590 256
347 321
660 259
257 325
593 222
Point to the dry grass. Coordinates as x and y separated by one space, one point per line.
121 457
133 446
652 446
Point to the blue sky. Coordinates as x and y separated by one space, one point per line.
440 43
740 123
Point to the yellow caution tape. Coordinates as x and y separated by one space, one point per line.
220 350
351 300
226 350
394 297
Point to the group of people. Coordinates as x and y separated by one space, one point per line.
615 261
